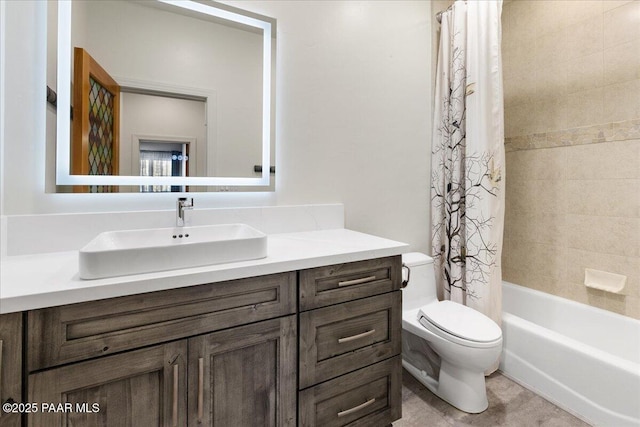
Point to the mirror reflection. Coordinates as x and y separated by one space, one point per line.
165 92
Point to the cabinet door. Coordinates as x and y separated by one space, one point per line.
139 388
244 376
10 365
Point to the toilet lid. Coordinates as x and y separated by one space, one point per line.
461 321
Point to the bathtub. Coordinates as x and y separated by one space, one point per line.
584 359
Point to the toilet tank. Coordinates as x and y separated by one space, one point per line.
421 288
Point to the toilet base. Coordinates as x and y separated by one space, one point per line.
461 388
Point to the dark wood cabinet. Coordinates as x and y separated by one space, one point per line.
243 376
10 366
317 347
217 373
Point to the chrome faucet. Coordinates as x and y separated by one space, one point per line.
182 204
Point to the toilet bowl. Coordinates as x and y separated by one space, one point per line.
466 341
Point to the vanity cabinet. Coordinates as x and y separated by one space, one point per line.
350 344
10 366
316 347
170 358
237 377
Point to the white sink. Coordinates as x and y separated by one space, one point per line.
118 253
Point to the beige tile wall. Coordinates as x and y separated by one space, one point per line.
572 103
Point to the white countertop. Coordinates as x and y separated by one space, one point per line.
50 279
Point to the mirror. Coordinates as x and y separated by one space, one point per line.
194 108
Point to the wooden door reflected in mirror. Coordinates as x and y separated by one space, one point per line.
96 122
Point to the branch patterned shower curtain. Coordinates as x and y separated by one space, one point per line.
467 183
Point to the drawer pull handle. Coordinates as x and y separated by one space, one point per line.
200 389
175 396
356 408
357 281
355 337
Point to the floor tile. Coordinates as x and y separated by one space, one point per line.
510 404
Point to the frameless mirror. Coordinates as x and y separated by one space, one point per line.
164 96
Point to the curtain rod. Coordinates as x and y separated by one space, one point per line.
439 14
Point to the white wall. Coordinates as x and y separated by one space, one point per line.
164 118
353 102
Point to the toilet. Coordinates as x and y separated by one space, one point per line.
464 342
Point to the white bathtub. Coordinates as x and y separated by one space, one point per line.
584 359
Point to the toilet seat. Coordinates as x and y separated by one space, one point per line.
460 324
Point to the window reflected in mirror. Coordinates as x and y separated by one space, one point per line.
163 158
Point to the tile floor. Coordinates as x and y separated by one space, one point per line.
510 405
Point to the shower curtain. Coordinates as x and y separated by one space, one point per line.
467 183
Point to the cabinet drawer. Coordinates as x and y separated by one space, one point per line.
368 397
344 337
81 331
334 284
